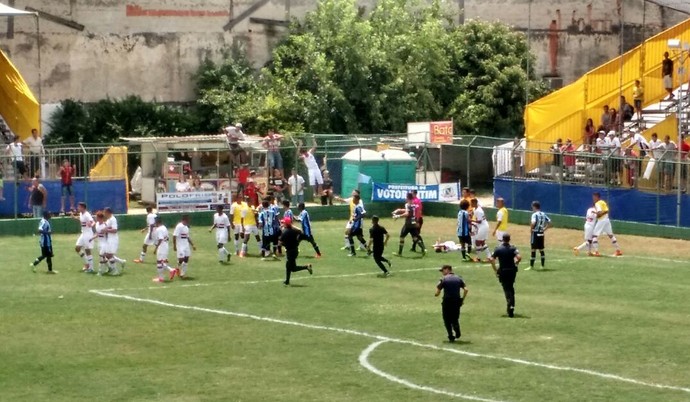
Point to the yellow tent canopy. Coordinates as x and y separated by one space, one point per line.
18 106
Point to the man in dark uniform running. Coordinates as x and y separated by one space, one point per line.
378 237
452 301
290 239
508 259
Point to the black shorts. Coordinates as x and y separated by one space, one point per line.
465 239
20 167
638 103
47 252
537 241
412 230
356 232
420 222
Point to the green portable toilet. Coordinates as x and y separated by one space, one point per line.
362 167
402 167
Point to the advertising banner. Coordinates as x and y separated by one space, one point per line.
192 201
445 192
441 132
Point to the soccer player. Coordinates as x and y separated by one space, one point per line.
287 212
590 221
539 223
162 248
410 226
148 239
290 239
45 241
84 243
419 216
268 231
348 225
501 220
356 226
480 239
102 237
181 245
276 224
464 229
250 227
113 242
237 224
221 223
452 301
446 246
508 259
307 233
378 238
603 225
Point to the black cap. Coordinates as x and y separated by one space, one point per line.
506 237
448 267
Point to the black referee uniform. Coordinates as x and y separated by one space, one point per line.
452 301
378 236
507 255
290 239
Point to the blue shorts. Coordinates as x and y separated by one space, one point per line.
66 190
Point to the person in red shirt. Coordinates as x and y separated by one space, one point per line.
66 174
684 149
242 175
418 216
251 191
569 159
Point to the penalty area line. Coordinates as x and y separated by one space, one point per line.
377 337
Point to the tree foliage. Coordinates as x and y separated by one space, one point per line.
340 71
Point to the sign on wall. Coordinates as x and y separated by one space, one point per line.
192 201
430 132
444 192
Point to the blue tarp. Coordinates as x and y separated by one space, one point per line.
572 199
97 194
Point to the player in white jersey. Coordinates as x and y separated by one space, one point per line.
84 243
162 249
113 242
221 223
590 221
148 237
183 245
480 239
102 238
446 246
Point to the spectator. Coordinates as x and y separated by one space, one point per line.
36 152
242 175
633 164
518 158
684 149
615 119
638 98
626 113
656 146
196 183
272 144
314 173
16 151
569 160
668 162
234 134
590 133
66 175
606 119
182 185
277 185
641 142
327 189
615 158
251 191
38 197
296 185
667 75
557 162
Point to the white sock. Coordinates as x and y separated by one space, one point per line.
244 248
85 258
615 243
111 266
488 253
347 242
142 255
236 249
183 267
595 244
119 260
89 261
102 266
582 246
160 272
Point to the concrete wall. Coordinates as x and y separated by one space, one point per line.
152 48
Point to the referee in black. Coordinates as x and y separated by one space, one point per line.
290 239
508 259
378 238
452 301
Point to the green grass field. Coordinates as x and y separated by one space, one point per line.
608 329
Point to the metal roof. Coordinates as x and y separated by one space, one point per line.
678 5
205 141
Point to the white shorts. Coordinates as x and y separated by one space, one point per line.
112 246
84 241
499 235
162 253
251 230
102 248
183 252
348 225
315 177
589 231
238 229
221 236
603 227
482 232
668 82
148 240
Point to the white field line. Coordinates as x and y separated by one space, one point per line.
364 362
395 340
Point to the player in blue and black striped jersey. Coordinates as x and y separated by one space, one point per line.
45 241
269 234
307 233
276 221
356 230
538 226
464 229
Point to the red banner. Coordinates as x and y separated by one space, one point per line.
441 132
